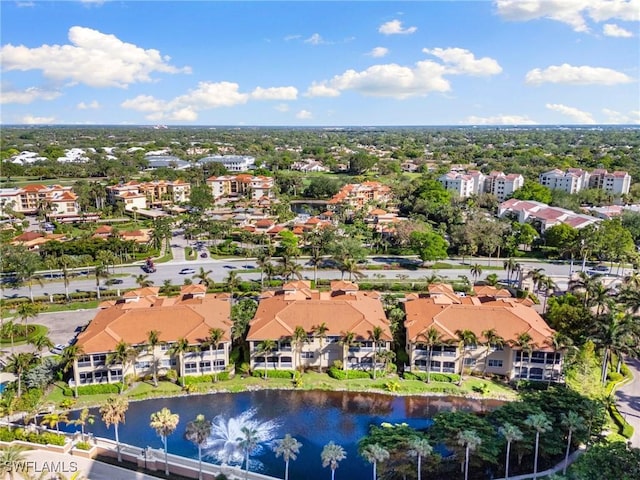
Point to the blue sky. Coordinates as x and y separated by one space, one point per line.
304 63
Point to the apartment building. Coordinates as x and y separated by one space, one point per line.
501 185
189 316
56 201
357 195
614 183
510 319
460 184
142 195
238 186
342 310
233 163
464 185
571 181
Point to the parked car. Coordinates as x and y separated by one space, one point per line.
203 255
601 268
57 350
187 271
114 281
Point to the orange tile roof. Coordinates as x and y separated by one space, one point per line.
278 316
488 290
508 319
186 316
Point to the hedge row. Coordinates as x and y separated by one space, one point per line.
339 374
203 379
624 428
273 373
41 438
434 377
94 389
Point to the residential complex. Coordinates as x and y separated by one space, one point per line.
190 316
357 195
521 340
142 195
55 201
241 186
337 312
575 179
463 185
542 214
233 163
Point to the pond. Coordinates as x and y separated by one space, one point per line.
314 418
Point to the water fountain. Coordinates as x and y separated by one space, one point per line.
224 443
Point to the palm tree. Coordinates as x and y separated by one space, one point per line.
204 279
536 277
376 337
26 311
374 454
558 342
470 440
432 337
53 419
113 413
215 336
10 457
298 339
573 422
265 348
524 342
541 424
198 432
466 338
492 340
100 271
26 270
153 340
143 280
120 356
320 331
615 332
350 265
510 266
164 423
584 285
179 348
65 263
476 271
70 355
287 447
348 340
40 342
332 455
232 282
85 418
248 442
511 434
420 447
19 363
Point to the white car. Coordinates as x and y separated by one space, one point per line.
187 271
58 349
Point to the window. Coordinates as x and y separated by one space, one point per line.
116 375
449 351
205 366
448 367
190 367
535 373
84 361
143 365
259 359
100 359
421 363
307 355
498 348
85 378
469 362
472 346
168 363
285 346
537 357
165 346
435 365
495 363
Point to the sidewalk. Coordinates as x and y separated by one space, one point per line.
628 400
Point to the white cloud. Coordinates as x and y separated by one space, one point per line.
613 116
378 52
583 75
314 39
578 116
206 96
29 95
282 107
399 81
461 61
31 120
87 106
574 13
304 115
394 27
277 93
499 120
93 58
322 90
613 30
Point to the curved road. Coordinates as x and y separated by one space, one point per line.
628 400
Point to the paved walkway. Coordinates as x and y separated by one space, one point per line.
628 400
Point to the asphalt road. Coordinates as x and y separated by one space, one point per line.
220 271
628 400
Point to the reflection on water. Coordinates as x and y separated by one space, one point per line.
314 418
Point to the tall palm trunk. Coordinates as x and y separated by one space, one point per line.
566 455
506 462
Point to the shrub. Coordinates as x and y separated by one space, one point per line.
614 377
83 446
350 374
101 388
171 375
194 380
274 374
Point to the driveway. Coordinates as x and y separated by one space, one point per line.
628 400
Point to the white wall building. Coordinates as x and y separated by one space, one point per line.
616 183
461 185
233 163
571 181
501 185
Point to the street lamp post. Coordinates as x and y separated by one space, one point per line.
144 455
